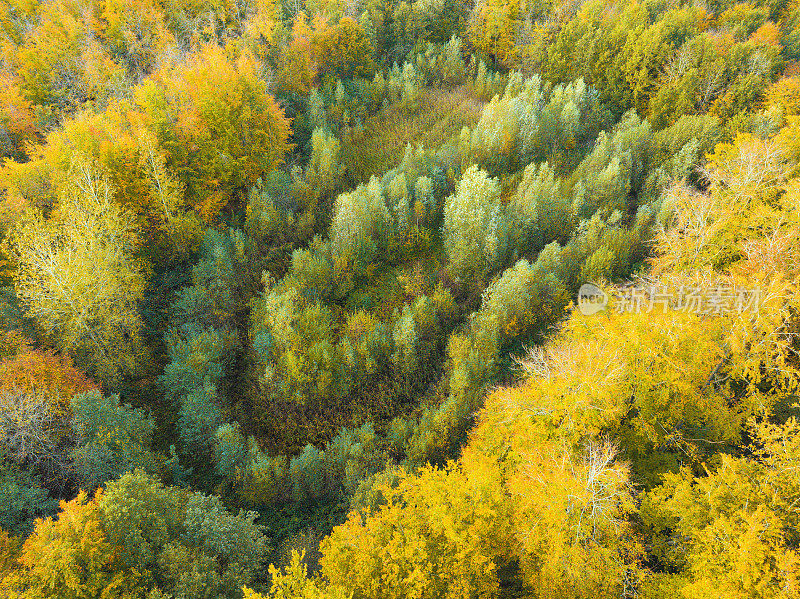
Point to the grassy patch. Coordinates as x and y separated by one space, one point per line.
378 145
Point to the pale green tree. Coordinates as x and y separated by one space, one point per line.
474 235
78 277
325 170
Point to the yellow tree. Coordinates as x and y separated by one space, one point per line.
71 558
134 32
17 124
437 535
60 63
343 51
493 26
78 278
733 531
219 127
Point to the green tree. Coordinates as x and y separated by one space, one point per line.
344 51
474 231
111 439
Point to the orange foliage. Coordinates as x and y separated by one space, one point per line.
12 343
54 375
301 32
723 41
134 31
298 63
786 94
220 128
767 35
343 51
294 72
16 118
792 69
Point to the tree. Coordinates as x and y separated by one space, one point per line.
22 500
135 34
344 51
324 170
410 546
361 225
17 122
293 582
736 523
72 558
540 210
78 278
186 541
473 230
29 428
137 539
177 226
493 26
294 72
219 127
49 377
61 64
111 439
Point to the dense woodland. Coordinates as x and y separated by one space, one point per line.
287 299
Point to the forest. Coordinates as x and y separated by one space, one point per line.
292 299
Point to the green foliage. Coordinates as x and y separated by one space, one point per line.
267 221
540 211
186 541
324 170
361 225
112 438
298 357
198 418
350 457
316 110
531 122
442 64
616 167
474 230
230 450
307 475
197 359
224 278
22 500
